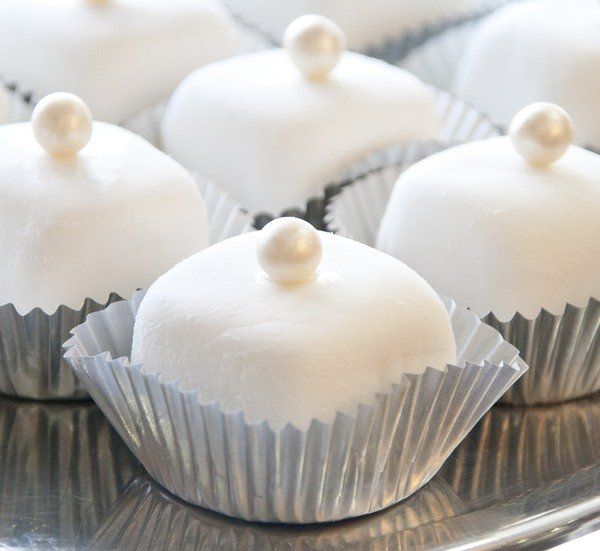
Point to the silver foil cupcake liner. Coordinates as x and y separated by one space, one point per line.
147 517
31 363
460 123
62 468
562 351
353 466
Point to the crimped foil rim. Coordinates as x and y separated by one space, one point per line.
256 476
553 337
461 122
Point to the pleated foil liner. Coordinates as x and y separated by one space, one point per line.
147 517
460 123
353 466
562 351
31 363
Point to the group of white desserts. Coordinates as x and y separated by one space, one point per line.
289 324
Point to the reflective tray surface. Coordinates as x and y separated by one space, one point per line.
524 478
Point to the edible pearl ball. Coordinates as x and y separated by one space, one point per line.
289 250
541 133
62 123
314 44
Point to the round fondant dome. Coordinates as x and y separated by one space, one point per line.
109 218
539 50
290 352
496 233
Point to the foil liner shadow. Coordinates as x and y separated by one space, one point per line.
562 350
31 363
353 466
460 123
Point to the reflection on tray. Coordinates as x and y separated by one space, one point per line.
516 449
66 478
62 467
149 517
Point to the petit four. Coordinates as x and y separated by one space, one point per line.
538 50
289 324
504 225
273 127
88 209
120 56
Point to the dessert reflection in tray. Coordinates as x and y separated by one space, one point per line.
67 480
62 467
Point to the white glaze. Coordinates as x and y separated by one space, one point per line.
290 353
113 217
365 22
538 50
272 138
120 57
493 232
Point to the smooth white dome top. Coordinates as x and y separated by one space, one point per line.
539 50
272 137
119 56
496 233
288 353
110 218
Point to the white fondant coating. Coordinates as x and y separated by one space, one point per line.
5 105
289 250
111 218
314 44
288 354
62 123
272 138
541 133
497 234
538 50
120 58
365 22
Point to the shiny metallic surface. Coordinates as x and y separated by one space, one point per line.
524 478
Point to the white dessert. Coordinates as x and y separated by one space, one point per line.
81 219
496 226
120 56
539 50
289 344
366 23
272 134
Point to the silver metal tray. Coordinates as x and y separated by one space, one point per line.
524 478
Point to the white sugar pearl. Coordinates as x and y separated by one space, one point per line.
289 250
314 44
62 123
541 133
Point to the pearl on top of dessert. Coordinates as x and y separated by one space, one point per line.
541 133
62 123
314 44
289 250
